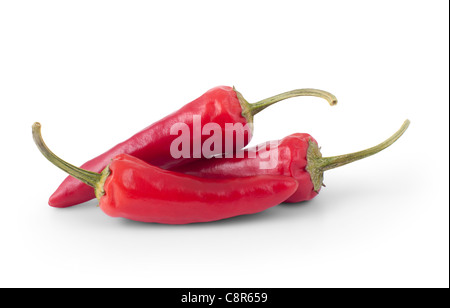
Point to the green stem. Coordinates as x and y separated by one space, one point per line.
90 178
249 110
328 163
261 105
318 164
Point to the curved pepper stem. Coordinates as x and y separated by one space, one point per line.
261 105
318 164
90 178
249 110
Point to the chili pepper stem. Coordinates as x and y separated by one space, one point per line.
90 178
318 164
249 110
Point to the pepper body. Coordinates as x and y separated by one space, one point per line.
289 155
130 188
142 192
223 106
219 105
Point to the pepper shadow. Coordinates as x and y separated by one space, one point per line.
280 213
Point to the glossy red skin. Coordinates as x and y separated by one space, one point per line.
292 161
219 105
142 192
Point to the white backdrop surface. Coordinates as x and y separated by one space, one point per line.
95 72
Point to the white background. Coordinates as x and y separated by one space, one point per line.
95 72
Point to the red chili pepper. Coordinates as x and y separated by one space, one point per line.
220 105
298 156
133 189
